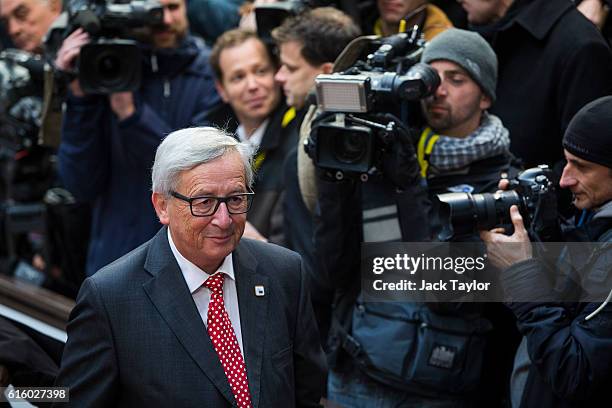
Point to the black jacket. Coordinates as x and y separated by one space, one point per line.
266 213
552 61
339 233
571 358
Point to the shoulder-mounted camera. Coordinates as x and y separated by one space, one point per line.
366 104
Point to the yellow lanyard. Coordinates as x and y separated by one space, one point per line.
260 157
426 144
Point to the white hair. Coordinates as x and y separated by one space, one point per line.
187 148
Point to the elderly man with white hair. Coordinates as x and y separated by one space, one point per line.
197 316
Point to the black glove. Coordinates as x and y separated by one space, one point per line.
399 159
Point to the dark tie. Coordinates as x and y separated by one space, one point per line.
225 342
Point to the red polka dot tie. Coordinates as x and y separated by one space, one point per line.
224 340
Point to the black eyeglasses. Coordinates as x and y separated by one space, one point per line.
205 206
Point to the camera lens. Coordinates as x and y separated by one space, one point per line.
109 67
350 148
463 214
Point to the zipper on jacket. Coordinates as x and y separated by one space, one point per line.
154 66
166 88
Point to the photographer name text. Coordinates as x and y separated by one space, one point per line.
425 286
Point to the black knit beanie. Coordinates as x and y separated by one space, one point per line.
589 134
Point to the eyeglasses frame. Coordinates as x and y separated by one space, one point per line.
220 200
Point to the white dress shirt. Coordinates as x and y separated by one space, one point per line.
195 277
255 139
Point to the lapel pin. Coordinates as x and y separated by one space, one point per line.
259 290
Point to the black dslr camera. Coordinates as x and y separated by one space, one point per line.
534 191
112 61
365 107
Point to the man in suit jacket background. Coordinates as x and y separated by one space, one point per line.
148 331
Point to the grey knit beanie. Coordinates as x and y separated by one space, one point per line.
468 50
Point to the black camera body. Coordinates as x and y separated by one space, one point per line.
21 84
364 107
112 61
352 148
534 191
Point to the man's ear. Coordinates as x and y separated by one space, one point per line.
485 102
327 67
160 203
221 91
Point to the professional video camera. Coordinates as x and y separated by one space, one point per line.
365 107
25 165
21 79
112 61
533 191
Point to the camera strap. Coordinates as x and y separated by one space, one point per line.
380 217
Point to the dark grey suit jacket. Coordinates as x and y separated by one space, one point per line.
136 339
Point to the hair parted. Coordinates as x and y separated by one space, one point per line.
229 39
187 148
323 32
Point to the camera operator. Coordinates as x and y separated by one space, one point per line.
29 184
109 141
27 21
565 358
462 148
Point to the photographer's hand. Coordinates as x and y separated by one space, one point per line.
504 250
122 103
503 184
68 53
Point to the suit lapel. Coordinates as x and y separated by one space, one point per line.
169 293
253 312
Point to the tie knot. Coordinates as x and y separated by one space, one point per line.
215 283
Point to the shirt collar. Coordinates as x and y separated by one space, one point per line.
194 276
255 139
538 17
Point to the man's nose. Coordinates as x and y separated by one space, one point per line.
252 82
441 90
13 26
167 17
222 217
567 179
280 75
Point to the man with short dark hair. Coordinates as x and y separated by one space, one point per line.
309 44
109 141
